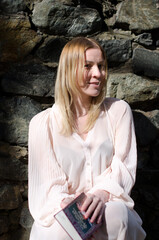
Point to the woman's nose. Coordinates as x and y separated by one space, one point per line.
96 72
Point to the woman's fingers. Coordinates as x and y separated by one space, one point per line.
87 203
99 219
93 208
97 212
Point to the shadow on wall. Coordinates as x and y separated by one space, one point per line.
146 192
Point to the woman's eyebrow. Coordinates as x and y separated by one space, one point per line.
87 61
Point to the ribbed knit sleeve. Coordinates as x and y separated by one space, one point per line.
47 181
119 178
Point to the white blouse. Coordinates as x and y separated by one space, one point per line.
60 166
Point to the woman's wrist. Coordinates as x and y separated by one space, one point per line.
66 201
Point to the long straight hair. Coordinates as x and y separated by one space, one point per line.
71 68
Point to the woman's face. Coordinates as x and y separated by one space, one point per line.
94 73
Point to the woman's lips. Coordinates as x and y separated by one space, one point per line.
94 83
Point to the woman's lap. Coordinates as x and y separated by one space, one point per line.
120 223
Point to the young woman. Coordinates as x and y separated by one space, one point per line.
84 143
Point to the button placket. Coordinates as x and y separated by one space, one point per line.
88 166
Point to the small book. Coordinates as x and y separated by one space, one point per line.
73 221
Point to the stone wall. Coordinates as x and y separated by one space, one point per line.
32 35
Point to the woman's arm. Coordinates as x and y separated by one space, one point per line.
119 178
47 181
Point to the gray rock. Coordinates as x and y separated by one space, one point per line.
15 117
51 49
146 62
54 18
26 219
29 79
144 39
153 116
8 6
15 170
17 39
137 15
14 152
5 236
108 8
10 197
132 88
67 2
21 234
14 217
117 50
4 223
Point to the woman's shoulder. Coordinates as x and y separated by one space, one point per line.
40 118
116 106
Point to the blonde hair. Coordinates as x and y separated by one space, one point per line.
71 68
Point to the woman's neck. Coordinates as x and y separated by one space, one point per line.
81 108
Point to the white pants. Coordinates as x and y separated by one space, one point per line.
120 223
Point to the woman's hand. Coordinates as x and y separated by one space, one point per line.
94 205
67 200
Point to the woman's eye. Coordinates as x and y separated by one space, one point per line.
87 66
101 66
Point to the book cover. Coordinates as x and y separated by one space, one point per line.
73 222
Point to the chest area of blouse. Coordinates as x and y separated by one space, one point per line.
96 150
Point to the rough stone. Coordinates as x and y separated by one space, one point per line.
21 234
141 89
14 121
31 3
15 170
4 223
153 116
146 62
157 43
118 34
144 39
17 39
137 15
67 2
7 6
51 49
19 154
58 19
14 218
26 219
29 79
10 197
117 50
121 34
25 191
108 8
16 152
5 237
